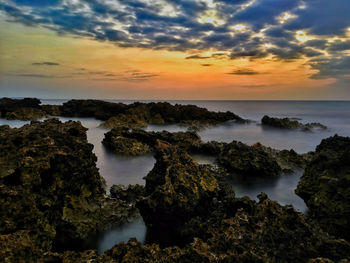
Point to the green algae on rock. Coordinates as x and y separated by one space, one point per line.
21 109
325 186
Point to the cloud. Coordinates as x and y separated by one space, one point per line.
243 71
197 57
41 76
45 63
177 26
206 65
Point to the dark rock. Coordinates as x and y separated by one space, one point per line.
124 141
53 110
123 120
325 186
286 123
21 109
130 194
176 188
240 159
50 189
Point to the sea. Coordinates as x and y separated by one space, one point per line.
132 170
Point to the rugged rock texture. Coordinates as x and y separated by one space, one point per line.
21 109
123 120
325 186
176 188
124 141
286 123
232 230
50 190
151 113
131 193
241 159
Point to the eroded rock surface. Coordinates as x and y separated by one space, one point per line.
325 186
287 123
21 109
124 141
50 189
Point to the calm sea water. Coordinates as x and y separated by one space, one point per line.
131 170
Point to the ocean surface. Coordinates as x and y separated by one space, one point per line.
131 170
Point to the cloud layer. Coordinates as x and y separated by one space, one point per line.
316 30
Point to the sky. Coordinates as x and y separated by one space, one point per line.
183 49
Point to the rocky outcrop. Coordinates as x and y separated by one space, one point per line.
325 186
177 188
130 194
50 189
151 113
124 141
21 109
287 123
123 120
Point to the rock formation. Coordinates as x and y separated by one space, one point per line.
51 191
21 109
286 123
325 186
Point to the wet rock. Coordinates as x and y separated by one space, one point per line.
123 120
151 113
21 109
50 189
130 194
287 123
176 188
241 159
288 160
25 114
53 110
124 141
325 186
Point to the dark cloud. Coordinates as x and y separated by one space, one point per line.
45 63
41 76
244 71
206 65
197 57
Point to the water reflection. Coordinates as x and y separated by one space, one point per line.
279 188
203 158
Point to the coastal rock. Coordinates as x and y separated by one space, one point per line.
123 120
151 113
244 160
26 114
130 194
124 141
51 191
21 109
176 188
53 110
232 230
287 123
325 186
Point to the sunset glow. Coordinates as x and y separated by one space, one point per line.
170 50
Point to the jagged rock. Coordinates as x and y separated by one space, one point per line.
241 159
124 141
325 186
50 189
131 193
21 109
288 160
26 114
123 120
53 110
176 188
287 123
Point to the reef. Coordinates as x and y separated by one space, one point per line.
325 186
52 195
236 158
287 123
124 141
212 224
21 109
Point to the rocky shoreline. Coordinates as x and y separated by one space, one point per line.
52 195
